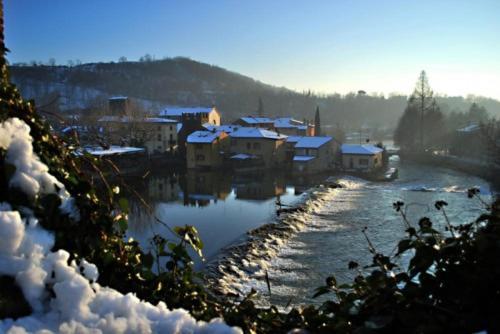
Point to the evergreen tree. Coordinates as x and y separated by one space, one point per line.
422 121
317 123
477 114
260 110
435 137
405 135
423 97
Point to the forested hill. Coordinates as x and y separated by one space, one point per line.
182 81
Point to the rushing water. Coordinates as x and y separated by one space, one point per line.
224 207
333 236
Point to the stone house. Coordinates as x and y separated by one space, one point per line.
205 149
361 158
265 146
314 154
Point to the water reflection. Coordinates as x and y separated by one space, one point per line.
222 206
202 188
258 189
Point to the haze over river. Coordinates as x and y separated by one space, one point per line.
224 208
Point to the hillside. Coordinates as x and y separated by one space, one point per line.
182 81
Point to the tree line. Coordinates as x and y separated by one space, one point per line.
182 81
423 125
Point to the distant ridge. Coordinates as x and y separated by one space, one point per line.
185 82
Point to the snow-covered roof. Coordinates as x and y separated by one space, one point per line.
366 149
242 156
128 119
203 137
112 118
179 127
113 150
226 128
179 111
118 98
302 158
256 120
293 139
158 120
470 128
312 142
202 197
288 123
77 128
248 132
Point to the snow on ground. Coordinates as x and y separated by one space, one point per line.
79 305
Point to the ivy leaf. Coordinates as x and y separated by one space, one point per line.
123 203
147 260
353 265
321 291
404 245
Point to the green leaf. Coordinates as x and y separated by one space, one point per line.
321 291
123 224
123 203
404 245
147 260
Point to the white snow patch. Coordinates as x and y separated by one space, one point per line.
31 175
77 305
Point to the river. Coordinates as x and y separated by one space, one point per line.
224 207
334 236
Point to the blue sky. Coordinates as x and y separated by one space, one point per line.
326 46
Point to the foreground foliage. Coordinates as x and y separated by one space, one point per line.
452 282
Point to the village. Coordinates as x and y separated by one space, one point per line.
197 138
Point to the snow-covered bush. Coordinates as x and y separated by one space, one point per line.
63 293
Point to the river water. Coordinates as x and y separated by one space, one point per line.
333 237
224 207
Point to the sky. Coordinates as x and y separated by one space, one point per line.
323 46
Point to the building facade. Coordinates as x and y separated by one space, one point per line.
259 144
205 149
315 154
205 115
361 158
156 135
293 127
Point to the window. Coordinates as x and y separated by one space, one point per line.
171 137
375 160
200 157
159 137
256 146
171 128
363 162
249 146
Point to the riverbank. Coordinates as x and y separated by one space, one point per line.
482 169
